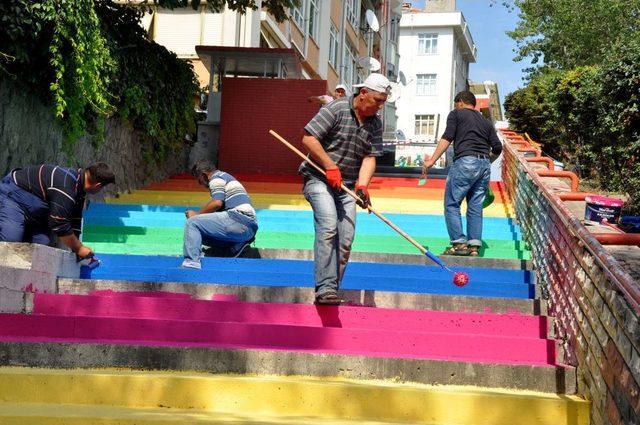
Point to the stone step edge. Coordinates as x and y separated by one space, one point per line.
560 379
377 257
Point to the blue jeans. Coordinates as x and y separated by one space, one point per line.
468 179
23 216
225 228
334 218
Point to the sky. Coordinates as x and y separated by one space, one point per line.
495 48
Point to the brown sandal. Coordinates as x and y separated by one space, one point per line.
460 249
328 298
473 251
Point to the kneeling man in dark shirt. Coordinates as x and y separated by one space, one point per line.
474 139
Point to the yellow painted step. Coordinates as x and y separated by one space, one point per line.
285 398
75 414
297 202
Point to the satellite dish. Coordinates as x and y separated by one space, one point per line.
400 135
369 63
402 78
394 93
372 21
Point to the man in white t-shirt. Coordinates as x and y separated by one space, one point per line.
338 92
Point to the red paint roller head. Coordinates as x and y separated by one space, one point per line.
460 278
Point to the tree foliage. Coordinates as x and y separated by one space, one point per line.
589 117
91 59
569 33
277 8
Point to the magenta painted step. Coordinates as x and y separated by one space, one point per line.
132 306
365 342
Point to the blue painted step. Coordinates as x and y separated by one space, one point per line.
364 276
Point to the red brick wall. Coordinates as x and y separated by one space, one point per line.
253 106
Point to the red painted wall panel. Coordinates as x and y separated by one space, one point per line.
253 106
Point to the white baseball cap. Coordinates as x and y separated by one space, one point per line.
341 86
376 82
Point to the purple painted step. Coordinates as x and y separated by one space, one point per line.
131 305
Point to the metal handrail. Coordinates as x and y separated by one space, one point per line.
610 266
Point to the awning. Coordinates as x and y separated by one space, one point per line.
252 61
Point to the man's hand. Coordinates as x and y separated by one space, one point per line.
84 252
364 200
190 213
334 178
428 163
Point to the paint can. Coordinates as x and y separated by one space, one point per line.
601 208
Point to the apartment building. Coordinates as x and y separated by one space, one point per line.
332 38
436 48
487 99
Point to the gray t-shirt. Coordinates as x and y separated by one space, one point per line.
346 141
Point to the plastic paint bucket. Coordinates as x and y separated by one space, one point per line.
601 208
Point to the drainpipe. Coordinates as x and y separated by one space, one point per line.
343 36
305 30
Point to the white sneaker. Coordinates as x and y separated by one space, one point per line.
191 264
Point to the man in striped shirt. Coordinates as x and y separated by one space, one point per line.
344 139
39 200
227 221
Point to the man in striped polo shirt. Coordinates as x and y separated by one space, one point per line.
227 221
40 199
343 138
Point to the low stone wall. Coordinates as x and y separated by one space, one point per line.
27 268
593 300
30 134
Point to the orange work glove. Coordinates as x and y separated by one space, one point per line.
334 178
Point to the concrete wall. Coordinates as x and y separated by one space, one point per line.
253 106
597 325
30 134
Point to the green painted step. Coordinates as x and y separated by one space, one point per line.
168 241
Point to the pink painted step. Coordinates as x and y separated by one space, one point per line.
132 306
364 342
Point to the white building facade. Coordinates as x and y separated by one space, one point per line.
436 49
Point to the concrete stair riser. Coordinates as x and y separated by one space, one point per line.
305 295
550 379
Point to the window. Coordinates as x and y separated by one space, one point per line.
425 125
427 44
426 84
314 23
334 46
350 74
297 13
393 32
353 12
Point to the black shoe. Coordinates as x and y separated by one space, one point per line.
246 245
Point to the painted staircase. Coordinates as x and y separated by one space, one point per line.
143 341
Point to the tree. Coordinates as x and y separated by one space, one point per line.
569 33
277 8
91 59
